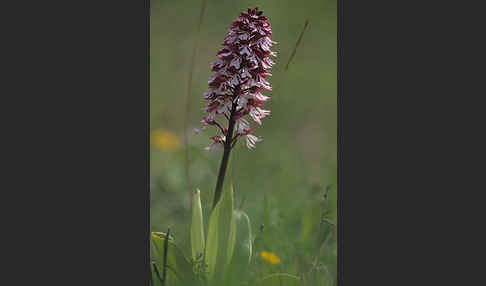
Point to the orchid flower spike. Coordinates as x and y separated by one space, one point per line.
235 90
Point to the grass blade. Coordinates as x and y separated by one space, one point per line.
164 268
157 274
297 44
175 260
188 96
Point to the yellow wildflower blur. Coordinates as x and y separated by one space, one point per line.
270 257
165 140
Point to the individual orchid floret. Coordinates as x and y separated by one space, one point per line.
218 142
241 72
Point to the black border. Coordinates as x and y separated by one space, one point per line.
147 144
84 124
340 14
80 76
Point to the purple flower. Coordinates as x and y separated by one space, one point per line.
235 90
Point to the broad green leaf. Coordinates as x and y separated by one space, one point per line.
243 238
197 230
221 235
232 237
180 270
280 279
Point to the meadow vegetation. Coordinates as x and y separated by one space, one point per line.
283 192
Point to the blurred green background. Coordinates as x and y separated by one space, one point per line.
281 182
